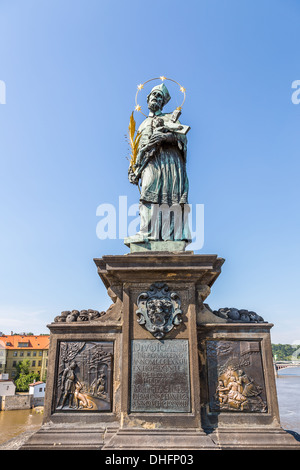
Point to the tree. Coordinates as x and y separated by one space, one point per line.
22 368
24 377
283 352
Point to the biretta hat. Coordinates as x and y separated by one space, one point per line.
164 90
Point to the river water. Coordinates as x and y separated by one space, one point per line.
288 393
14 422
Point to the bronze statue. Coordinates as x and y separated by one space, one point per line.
161 166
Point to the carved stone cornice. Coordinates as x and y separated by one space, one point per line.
134 267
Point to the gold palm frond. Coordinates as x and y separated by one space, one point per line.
134 140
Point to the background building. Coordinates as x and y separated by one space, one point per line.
7 387
15 348
37 389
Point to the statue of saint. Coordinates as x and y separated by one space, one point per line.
161 167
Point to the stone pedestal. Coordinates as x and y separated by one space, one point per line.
147 373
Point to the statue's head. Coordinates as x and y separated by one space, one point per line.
158 97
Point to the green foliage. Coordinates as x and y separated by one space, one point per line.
24 377
283 352
23 367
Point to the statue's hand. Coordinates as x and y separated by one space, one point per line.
160 137
132 176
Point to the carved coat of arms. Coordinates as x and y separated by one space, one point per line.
159 309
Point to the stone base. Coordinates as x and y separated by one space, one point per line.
254 439
160 439
153 246
182 411
58 437
62 437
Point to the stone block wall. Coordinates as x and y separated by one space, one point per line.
16 402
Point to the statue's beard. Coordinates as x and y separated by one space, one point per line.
154 106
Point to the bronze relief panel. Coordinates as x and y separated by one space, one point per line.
84 376
235 376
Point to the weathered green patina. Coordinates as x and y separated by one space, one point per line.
161 168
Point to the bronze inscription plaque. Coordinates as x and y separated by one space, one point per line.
235 376
84 376
160 378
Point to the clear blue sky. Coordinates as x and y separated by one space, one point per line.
71 69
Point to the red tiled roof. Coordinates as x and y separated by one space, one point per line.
17 341
35 383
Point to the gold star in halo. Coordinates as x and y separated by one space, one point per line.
182 89
140 86
162 78
137 108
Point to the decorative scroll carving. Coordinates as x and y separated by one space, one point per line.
84 376
159 309
235 376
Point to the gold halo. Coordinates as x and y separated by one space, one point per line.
162 78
